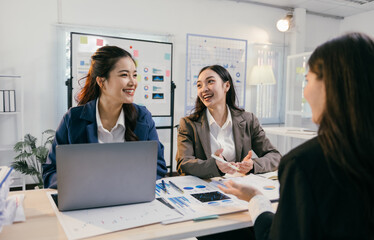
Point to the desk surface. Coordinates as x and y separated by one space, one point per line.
42 223
291 132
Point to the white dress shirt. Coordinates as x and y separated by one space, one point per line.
116 134
222 137
257 205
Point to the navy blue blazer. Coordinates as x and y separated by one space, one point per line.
79 126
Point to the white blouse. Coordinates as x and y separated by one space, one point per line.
116 134
222 137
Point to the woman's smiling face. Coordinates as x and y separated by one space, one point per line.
121 83
211 89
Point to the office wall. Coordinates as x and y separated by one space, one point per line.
29 39
28 48
319 30
360 22
178 17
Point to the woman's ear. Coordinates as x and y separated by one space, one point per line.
227 86
100 81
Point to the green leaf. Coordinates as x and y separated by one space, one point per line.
30 140
19 146
49 142
20 165
50 138
41 154
30 156
32 171
23 167
23 155
49 132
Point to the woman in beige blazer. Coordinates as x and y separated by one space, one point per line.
219 126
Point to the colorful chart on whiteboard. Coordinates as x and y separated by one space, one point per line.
207 50
153 60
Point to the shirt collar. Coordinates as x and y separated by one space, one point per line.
120 120
211 119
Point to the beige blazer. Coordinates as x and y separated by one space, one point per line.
194 152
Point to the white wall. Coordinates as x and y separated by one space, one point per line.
28 48
29 39
360 22
320 30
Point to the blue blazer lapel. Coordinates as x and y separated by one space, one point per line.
92 133
141 130
89 114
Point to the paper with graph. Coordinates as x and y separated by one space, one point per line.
263 182
197 199
91 222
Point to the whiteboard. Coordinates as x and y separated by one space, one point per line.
209 50
154 66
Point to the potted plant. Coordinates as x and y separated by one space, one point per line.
31 157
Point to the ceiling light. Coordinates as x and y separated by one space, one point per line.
284 24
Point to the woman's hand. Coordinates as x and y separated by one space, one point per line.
223 167
247 164
243 192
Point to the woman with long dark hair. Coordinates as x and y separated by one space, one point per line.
105 112
326 184
220 127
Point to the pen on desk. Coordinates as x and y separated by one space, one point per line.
176 187
169 205
205 218
164 186
223 161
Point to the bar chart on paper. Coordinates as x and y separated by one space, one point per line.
195 198
267 183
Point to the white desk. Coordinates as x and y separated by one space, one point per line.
290 137
291 132
42 223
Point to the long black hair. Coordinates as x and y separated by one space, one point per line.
346 131
102 62
230 95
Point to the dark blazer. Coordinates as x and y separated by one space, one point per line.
313 204
79 126
194 152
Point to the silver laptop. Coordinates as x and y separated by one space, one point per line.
98 175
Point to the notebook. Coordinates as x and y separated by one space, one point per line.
98 175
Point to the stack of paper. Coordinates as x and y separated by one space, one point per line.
267 183
196 199
177 199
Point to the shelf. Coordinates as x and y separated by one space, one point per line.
9 113
11 123
10 76
6 147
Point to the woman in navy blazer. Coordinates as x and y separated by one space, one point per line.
105 111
